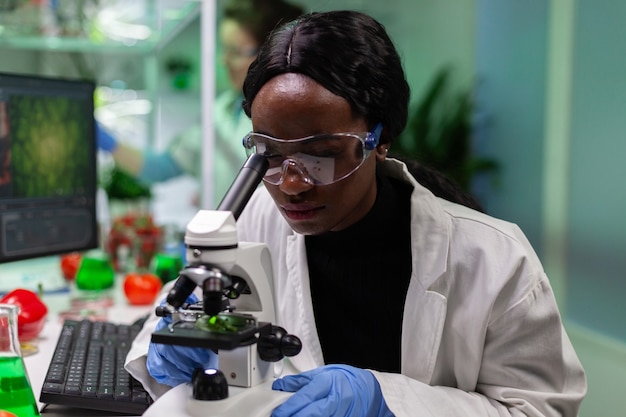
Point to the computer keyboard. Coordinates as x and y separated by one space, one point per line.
87 369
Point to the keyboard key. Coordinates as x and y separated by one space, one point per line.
52 387
72 389
139 397
105 392
88 390
122 393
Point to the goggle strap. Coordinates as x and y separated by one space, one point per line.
373 137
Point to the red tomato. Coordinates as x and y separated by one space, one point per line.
69 265
141 288
32 313
4 413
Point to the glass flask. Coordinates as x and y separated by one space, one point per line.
95 273
16 393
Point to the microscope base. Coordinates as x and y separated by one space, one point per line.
257 401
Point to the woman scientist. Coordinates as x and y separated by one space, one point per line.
406 304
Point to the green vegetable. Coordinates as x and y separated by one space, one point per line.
222 323
121 185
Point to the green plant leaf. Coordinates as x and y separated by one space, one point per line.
439 132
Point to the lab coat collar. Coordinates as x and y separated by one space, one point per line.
302 324
430 237
425 307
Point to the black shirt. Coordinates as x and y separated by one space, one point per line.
359 278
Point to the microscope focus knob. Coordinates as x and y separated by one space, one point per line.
291 345
209 384
277 343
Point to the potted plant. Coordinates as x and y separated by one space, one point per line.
439 133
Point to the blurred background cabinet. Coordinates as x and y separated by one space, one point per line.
144 56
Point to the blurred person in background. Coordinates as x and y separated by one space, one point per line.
243 28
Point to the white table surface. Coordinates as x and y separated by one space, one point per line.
37 364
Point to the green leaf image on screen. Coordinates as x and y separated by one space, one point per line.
49 146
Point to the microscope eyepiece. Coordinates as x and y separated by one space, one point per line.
248 178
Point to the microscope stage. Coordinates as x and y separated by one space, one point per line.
188 334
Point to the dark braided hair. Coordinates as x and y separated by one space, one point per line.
347 52
440 184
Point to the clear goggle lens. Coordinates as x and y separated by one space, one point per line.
317 160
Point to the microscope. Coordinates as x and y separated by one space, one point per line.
234 317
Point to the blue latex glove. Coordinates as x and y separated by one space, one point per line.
174 365
332 391
104 140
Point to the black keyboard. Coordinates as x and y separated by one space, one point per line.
87 369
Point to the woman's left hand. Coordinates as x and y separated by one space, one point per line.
333 391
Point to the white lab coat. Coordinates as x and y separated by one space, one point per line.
482 334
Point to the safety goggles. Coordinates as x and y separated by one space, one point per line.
317 160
